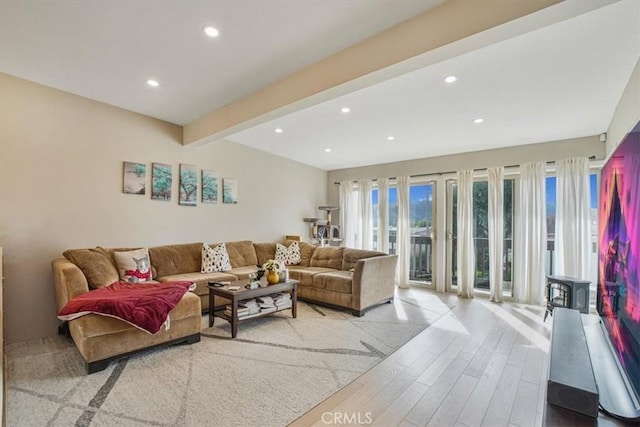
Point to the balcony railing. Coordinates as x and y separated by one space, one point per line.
420 268
421 250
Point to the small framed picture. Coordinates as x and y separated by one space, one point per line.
230 191
188 185
209 187
161 181
134 178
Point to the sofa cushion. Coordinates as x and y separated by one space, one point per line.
200 279
305 274
176 259
215 259
243 272
96 265
306 252
335 281
241 253
264 252
133 266
329 257
288 255
145 306
352 256
93 325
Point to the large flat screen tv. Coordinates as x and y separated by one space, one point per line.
619 255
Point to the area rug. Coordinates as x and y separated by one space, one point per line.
274 371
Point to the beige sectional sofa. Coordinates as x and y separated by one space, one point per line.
339 277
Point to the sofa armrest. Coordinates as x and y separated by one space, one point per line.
374 280
69 281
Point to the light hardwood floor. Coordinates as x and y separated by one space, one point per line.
478 364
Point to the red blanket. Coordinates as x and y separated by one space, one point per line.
145 306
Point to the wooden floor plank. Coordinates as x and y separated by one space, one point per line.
395 413
506 342
518 354
525 405
534 362
456 399
440 365
499 409
472 366
476 406
479 362
428 405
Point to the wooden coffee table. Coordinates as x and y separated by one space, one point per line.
243 294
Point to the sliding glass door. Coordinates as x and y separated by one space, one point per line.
421 214
421 226
481 236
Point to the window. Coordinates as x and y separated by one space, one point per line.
481 235
550 189
393 217
452 234
421 232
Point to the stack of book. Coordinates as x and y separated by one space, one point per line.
281 300
245 308
267 305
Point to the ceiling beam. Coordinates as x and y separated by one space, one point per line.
450 22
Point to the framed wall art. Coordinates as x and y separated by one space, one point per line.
209 187
161 180
188 185
230 191
134 178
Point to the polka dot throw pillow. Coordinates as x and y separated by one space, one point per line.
215 259
290 255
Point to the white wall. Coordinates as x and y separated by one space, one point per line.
627 112
557 150
61 187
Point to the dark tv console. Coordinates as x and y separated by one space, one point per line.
614 393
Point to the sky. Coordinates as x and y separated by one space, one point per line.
551 192
416 193
420 192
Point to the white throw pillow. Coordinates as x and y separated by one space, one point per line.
134 266
290 255
215 259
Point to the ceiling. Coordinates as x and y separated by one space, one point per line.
106 50
557 82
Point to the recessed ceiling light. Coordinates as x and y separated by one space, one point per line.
327 150
210 31
477 121
153 83
345 109
391 138
450 79
278 130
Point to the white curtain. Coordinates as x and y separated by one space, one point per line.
530 237
496 231
466 251
403 234
366 213
383 215
348 214
573 219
